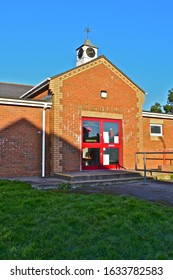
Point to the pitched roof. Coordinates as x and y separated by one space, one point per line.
9 90
36 88
87 43
97 61
83 67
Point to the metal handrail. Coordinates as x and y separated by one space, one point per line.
145 170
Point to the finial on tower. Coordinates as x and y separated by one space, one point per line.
87 30
87 51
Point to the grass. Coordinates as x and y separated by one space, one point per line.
51 225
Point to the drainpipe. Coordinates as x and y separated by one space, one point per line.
37 104
43 140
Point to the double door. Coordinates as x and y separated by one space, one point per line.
101 143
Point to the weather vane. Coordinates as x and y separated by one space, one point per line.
87 30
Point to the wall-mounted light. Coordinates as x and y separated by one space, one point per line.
103 94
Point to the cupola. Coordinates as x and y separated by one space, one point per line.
86 52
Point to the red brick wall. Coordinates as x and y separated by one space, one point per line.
21 141
158 143
40 94
161 143
77 94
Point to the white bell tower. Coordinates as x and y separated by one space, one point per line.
86 52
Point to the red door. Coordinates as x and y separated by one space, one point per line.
101 143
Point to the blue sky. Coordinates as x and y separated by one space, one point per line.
39 40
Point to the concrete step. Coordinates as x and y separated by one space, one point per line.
97 175
90 179
64 184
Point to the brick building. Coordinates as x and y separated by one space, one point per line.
89 117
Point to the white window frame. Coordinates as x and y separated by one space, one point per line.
156 134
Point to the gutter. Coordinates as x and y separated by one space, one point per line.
157 115
28 103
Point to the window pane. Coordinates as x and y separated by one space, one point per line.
91 132
110 132
155 129
91 157
110 156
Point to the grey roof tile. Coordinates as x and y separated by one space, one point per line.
9 90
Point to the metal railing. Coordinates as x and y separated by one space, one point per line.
157 164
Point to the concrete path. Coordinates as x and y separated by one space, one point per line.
157 191
161 192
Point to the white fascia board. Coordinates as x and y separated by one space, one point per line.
29 103
37 87
157 115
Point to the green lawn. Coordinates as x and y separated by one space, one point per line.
55 225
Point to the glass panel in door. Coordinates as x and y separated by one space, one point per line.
91 144
110 156
110 133
91 157
91 131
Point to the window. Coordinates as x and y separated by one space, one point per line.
155 129
91 131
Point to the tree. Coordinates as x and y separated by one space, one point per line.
156 108
168 108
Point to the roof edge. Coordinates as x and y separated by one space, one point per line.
36 88
21 102
124 74
7 83
77 67
156 115
46 81
92 62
